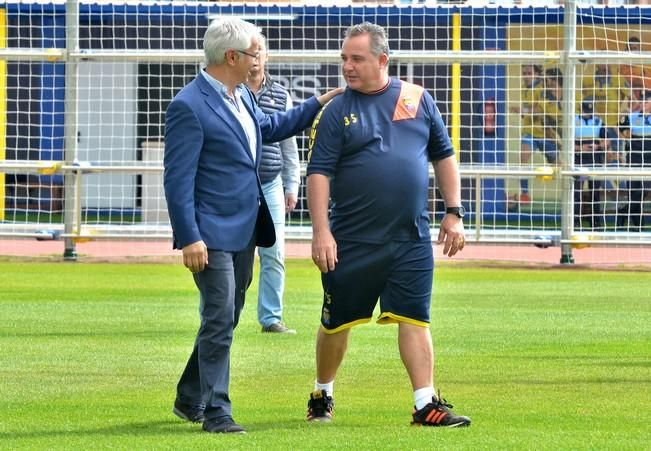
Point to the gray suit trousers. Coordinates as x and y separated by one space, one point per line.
222 285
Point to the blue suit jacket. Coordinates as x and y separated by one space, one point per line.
211 180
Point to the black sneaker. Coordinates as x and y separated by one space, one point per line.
320 407
438 413
193 414
225 426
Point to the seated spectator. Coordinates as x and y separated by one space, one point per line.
546 127
533 133
610 94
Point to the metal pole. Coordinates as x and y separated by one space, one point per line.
567 153
478 212
70 119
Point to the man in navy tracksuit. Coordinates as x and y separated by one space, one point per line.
369 153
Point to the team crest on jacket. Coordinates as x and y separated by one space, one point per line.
409 103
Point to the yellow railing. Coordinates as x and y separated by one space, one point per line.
456 86
3 109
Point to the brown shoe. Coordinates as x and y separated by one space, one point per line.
278 328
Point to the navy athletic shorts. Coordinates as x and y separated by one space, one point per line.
398 273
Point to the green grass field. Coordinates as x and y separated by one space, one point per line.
539 359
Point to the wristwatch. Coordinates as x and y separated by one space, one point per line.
459 211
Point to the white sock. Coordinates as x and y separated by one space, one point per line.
328 387
423 396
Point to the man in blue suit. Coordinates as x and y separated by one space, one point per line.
213 136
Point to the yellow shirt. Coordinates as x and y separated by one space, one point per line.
532 97
551 118
608 94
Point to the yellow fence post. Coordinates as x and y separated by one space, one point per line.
456 86
3 109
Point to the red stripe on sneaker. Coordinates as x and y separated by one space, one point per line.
430 415
440 418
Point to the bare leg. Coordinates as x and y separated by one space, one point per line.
330 351
417 354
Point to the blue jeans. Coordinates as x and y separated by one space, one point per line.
272 259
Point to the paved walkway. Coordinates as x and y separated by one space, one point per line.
106 250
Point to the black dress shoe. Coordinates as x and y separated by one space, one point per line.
186 412
226 426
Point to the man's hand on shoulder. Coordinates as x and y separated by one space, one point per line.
195 256
325 98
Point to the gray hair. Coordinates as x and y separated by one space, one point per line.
224 34
262 40
379 42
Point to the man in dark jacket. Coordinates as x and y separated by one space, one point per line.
280 176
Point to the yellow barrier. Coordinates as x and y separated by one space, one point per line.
456 86
3 109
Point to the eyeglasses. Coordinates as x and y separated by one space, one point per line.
255 55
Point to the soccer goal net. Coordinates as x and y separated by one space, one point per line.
548 108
